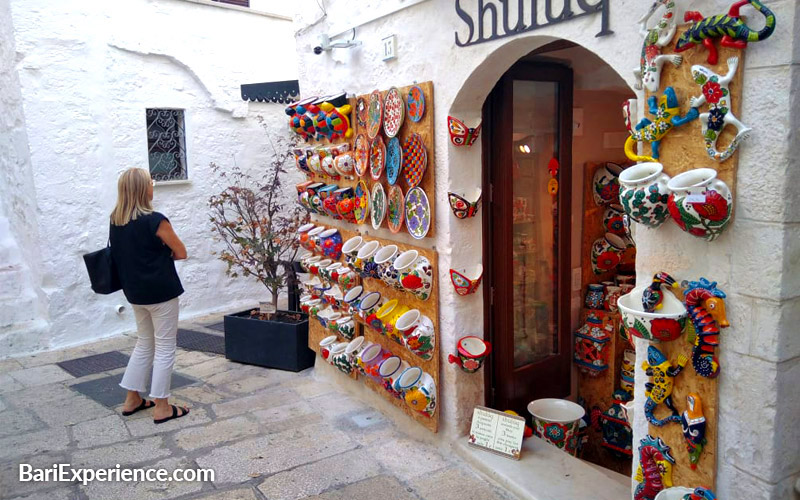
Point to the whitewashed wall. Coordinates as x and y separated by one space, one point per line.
87 71
755 262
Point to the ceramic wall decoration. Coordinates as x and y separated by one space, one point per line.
346 209
395 211
361 199
319 117
655 468
387 316
644 193
394 160
361 113
461 206
393 112
350 250
374 114
666 116
415 273
605 184
700 203
330 205
595 296
331 243
419 390
415 159
614 220
415 102
299 122
417 332
313 160
330 322
460 134
325 346
666 324
617 432
345 165
368 360
471 353
369 305
417 213
327 273
300 160
346 327
352 299
659 389
302 233
377 205
693 424
390 370
557 422
377 158
337 120
342 360
361 152
653 295
734 32
706 306
592 342
366 258
467 283
384 260
648 75
606 253
312 239
674 493
717 95
347 279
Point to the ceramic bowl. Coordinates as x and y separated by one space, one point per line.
666 324
557 421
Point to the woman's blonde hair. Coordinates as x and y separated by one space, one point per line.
133 199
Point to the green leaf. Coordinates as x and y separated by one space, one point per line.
639 327
686 217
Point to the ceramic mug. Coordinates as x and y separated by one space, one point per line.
340 359
346 361
366 256
313 242
419 390
350 250
330 205
346 209
472 352
369 359
606 253
347 279
383 260
307 261
387 316
331 320
417 332
415 273
644 193
605 184
613 219
700 203
302 233
390 370
331 243
324 314
320 264
314 307
346 327
305 302
352 299
325 346
369 305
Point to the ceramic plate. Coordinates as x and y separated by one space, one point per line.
416 103
415 160
361 210
377 158
361 113
418 213
393 112
374 114
394 209
377 204
362 155
394 160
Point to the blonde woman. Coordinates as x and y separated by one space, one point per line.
144 247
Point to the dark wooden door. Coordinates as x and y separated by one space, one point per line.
528 131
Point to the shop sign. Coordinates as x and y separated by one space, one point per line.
496 431
494 19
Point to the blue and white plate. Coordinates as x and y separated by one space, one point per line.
394 160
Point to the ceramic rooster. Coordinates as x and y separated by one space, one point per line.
653 296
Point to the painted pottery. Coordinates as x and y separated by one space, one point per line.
557 421
312 244
300 160
394 160
330 205
341 359
374 114
331 241
366 259
308 302
417 213
355 347
625 279
415 273
417 332
361 210
377 205
415 159
377 158
415 103
607 253
302 233
395 210
390 370
347 279
393 112
369 305
328 165
314 308
387 315
327 190
613 294
666 324
700 203
361 113
325 346
592 343
421 396
460 134
333 297
467 283
594 296
605 184
324 314
613 220
345 165
352 299
408 378
346 327
313 160
471 353
675 493
643 193
346 209
350 250
361 152
462 207
384 259
368 360
331 322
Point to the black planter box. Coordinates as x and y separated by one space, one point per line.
271 344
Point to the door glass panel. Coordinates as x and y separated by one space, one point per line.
535 282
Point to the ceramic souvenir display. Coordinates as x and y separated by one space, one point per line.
342 360
471 353
417 213
345 165
605 184
674 493
302 233
352 299
644 193
388 315
460 134
693 424
419 390
361 152
394 160
415 273
648 75
330 205
653 295
361 113
338 120
557 422
361 199
369 305
393 112
666 324
700 203
377 205
613 294
613 220
468 283
666 116
331 243
390 370
607 253
377 158
313 160
462 207
374 114
312 241
595 296
592 342
706 306
415 159
383 260
417 332
325 346
415 103
654 472
733 30
395 211
367 361
659 389
350 250
617 432
366 258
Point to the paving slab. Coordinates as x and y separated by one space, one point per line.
22 446
380 487
407 458
16 422
310 388
146 490
203 394
66 493
456 484
260 401
232 494
11 486
69 411
3 405
216 433
284 412
10 365
146 427
186 358
8 383
105 430
208 368
332 405
253 383
128 453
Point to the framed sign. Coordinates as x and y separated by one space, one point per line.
498 432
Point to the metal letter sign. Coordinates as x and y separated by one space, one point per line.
526 18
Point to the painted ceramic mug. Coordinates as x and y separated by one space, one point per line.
350 250
307 261
302 233
557 422
369 305
613 219
605 184
347 279
369 360
419 390
314 307
331 243
320 264
383 260
352 299
331 322
644 193
346 327
329 204
700 203
346 208
418 333
313 239
341 359
366 256
606 253
325 346
390 370
387 316
414 273
472 352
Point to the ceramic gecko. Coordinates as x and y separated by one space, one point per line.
734 32
648 75
337 120
715 92
666 115
320 118
706 307
659 390
653 296
300 122
655 468
693 423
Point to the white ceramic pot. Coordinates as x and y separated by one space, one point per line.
643 193
390 370
369 305
346 327
700 203
336 350
415 273
417 332
605 184
313 243
383 260
666 324
421 396
366 256
557 421
350 250
369 359
325 346
352 299
676 493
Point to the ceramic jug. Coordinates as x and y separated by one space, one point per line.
366 257
415 273
350 250
700 203
418 333
643 193
390 370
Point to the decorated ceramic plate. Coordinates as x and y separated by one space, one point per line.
361 210
393 112
415 160
362 155
374 114
416 103
417 213
394 209
394 160
361 113
377 203
377 158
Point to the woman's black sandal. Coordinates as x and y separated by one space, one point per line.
142 406
174 415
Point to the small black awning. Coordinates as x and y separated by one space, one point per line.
283 92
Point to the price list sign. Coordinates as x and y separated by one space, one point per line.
498 432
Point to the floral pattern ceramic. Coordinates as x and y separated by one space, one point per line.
644 193
700 203
605 184
417 213
417 332
361 113
394 160
393 112
562 433
607 253
361 155
377 158
374 114
415 273
415 160
377 205
344 164
394 209
361 210
415 103
613 220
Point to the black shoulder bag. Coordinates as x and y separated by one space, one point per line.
102 271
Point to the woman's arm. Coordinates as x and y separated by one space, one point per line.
168 236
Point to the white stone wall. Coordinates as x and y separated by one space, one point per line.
88 70
754 262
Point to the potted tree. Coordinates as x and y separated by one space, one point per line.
257 226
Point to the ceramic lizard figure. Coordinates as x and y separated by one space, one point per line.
716 93
666 113
734 32
659 390
648 74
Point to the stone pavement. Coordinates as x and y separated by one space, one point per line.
267 434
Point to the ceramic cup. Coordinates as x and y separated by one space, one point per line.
369 360
350 250
595 296
305 302
390 370
369 305
415 273
417 332
314 307
340 359
347 279
346 360
613 294
332 320
331 243
332 272
472 352
324 314
605 184
352 299
302 233
383 260
325 346
346 327
607 253
420 395
613 220
387 317
366 256
307 261
346 209
700 203
320 264
313 242
643 193
557 421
